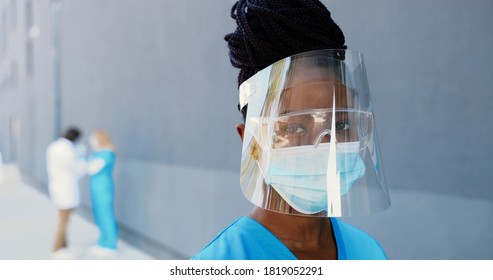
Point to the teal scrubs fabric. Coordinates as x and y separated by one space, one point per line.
102 197
246 239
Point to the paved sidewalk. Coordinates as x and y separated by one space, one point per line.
28 222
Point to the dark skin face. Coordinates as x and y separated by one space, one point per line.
308 238
306 129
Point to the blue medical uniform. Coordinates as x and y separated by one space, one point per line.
247 239
102 196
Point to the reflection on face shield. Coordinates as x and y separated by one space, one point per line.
313 127
309 145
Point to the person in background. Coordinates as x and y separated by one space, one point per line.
102 188
309 152
65 166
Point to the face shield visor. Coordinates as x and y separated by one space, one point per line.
310 145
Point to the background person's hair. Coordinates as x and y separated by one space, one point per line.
270 30
72 134
104 140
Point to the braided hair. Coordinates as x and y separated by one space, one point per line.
270 30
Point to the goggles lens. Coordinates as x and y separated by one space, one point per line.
314 127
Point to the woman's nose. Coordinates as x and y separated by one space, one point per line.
323 137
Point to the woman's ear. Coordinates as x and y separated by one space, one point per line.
240 128
254 149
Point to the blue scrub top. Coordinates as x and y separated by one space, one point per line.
104 176
247 239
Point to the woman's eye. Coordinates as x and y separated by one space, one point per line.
342 125
295 129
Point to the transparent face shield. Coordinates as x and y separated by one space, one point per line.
310 145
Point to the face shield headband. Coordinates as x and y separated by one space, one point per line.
310 144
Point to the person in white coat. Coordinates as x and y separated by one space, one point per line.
65 165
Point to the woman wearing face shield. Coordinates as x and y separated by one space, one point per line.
309 152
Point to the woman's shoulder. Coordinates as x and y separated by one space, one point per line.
105 154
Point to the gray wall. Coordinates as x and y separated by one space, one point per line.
430 68
156 75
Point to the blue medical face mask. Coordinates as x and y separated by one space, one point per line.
298 174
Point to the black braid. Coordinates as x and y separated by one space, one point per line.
269 30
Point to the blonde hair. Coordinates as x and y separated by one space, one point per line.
104 140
